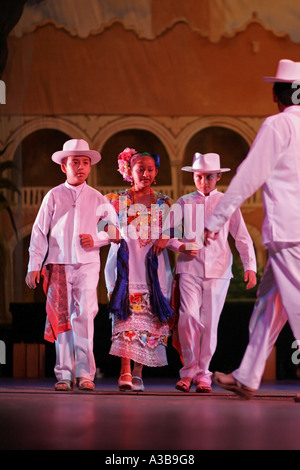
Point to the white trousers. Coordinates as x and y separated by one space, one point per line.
278 300
201 304
74 348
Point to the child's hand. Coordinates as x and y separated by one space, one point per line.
86 240
250 277
113 233
159 245
32 279
208 236
184 249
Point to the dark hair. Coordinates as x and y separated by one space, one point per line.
155 157
285 91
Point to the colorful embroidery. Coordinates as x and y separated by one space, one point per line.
140 336
146 339
55 288
146 223
129 335
139 302
140 307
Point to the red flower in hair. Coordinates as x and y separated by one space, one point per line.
124 162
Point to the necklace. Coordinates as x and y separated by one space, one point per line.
142 220
76 192
145 201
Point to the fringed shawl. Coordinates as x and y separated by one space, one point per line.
119 301
175 302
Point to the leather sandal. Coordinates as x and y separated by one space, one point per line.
125 384
184 385
137 384
202 387
64 386
85 384
221 380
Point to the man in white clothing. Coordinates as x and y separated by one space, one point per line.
273 164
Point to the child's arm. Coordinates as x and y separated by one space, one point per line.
39 241
250 278
113 233
159 245
32 279
244 245
209 236
184 248
87 241
108 221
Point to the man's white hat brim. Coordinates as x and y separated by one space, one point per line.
287 71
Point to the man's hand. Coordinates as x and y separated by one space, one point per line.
208 236
32 279
250 278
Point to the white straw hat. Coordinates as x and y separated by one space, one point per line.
76 147
287 72
206 163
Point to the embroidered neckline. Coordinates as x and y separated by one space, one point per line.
142 216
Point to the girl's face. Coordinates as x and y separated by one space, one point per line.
77 169
143 172
206 182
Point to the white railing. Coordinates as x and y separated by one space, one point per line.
31 197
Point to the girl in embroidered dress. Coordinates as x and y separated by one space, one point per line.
140 332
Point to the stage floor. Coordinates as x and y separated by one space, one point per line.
35 417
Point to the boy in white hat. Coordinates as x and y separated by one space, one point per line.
273 163
204 272
65 244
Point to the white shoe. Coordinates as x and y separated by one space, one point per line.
138 387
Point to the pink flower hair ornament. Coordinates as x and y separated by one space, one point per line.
124 159
124 163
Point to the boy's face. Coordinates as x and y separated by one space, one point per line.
206 182
77 169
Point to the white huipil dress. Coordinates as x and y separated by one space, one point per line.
142 337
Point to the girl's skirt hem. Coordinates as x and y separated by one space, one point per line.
138 353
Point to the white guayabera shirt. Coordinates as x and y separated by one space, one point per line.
273 164
65 213
215 260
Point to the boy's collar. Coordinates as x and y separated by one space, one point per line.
212 192
75 188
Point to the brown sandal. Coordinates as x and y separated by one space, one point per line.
202 387
184 385
221 380
64 386
85 384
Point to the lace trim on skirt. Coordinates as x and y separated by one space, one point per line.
136 352
142 337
